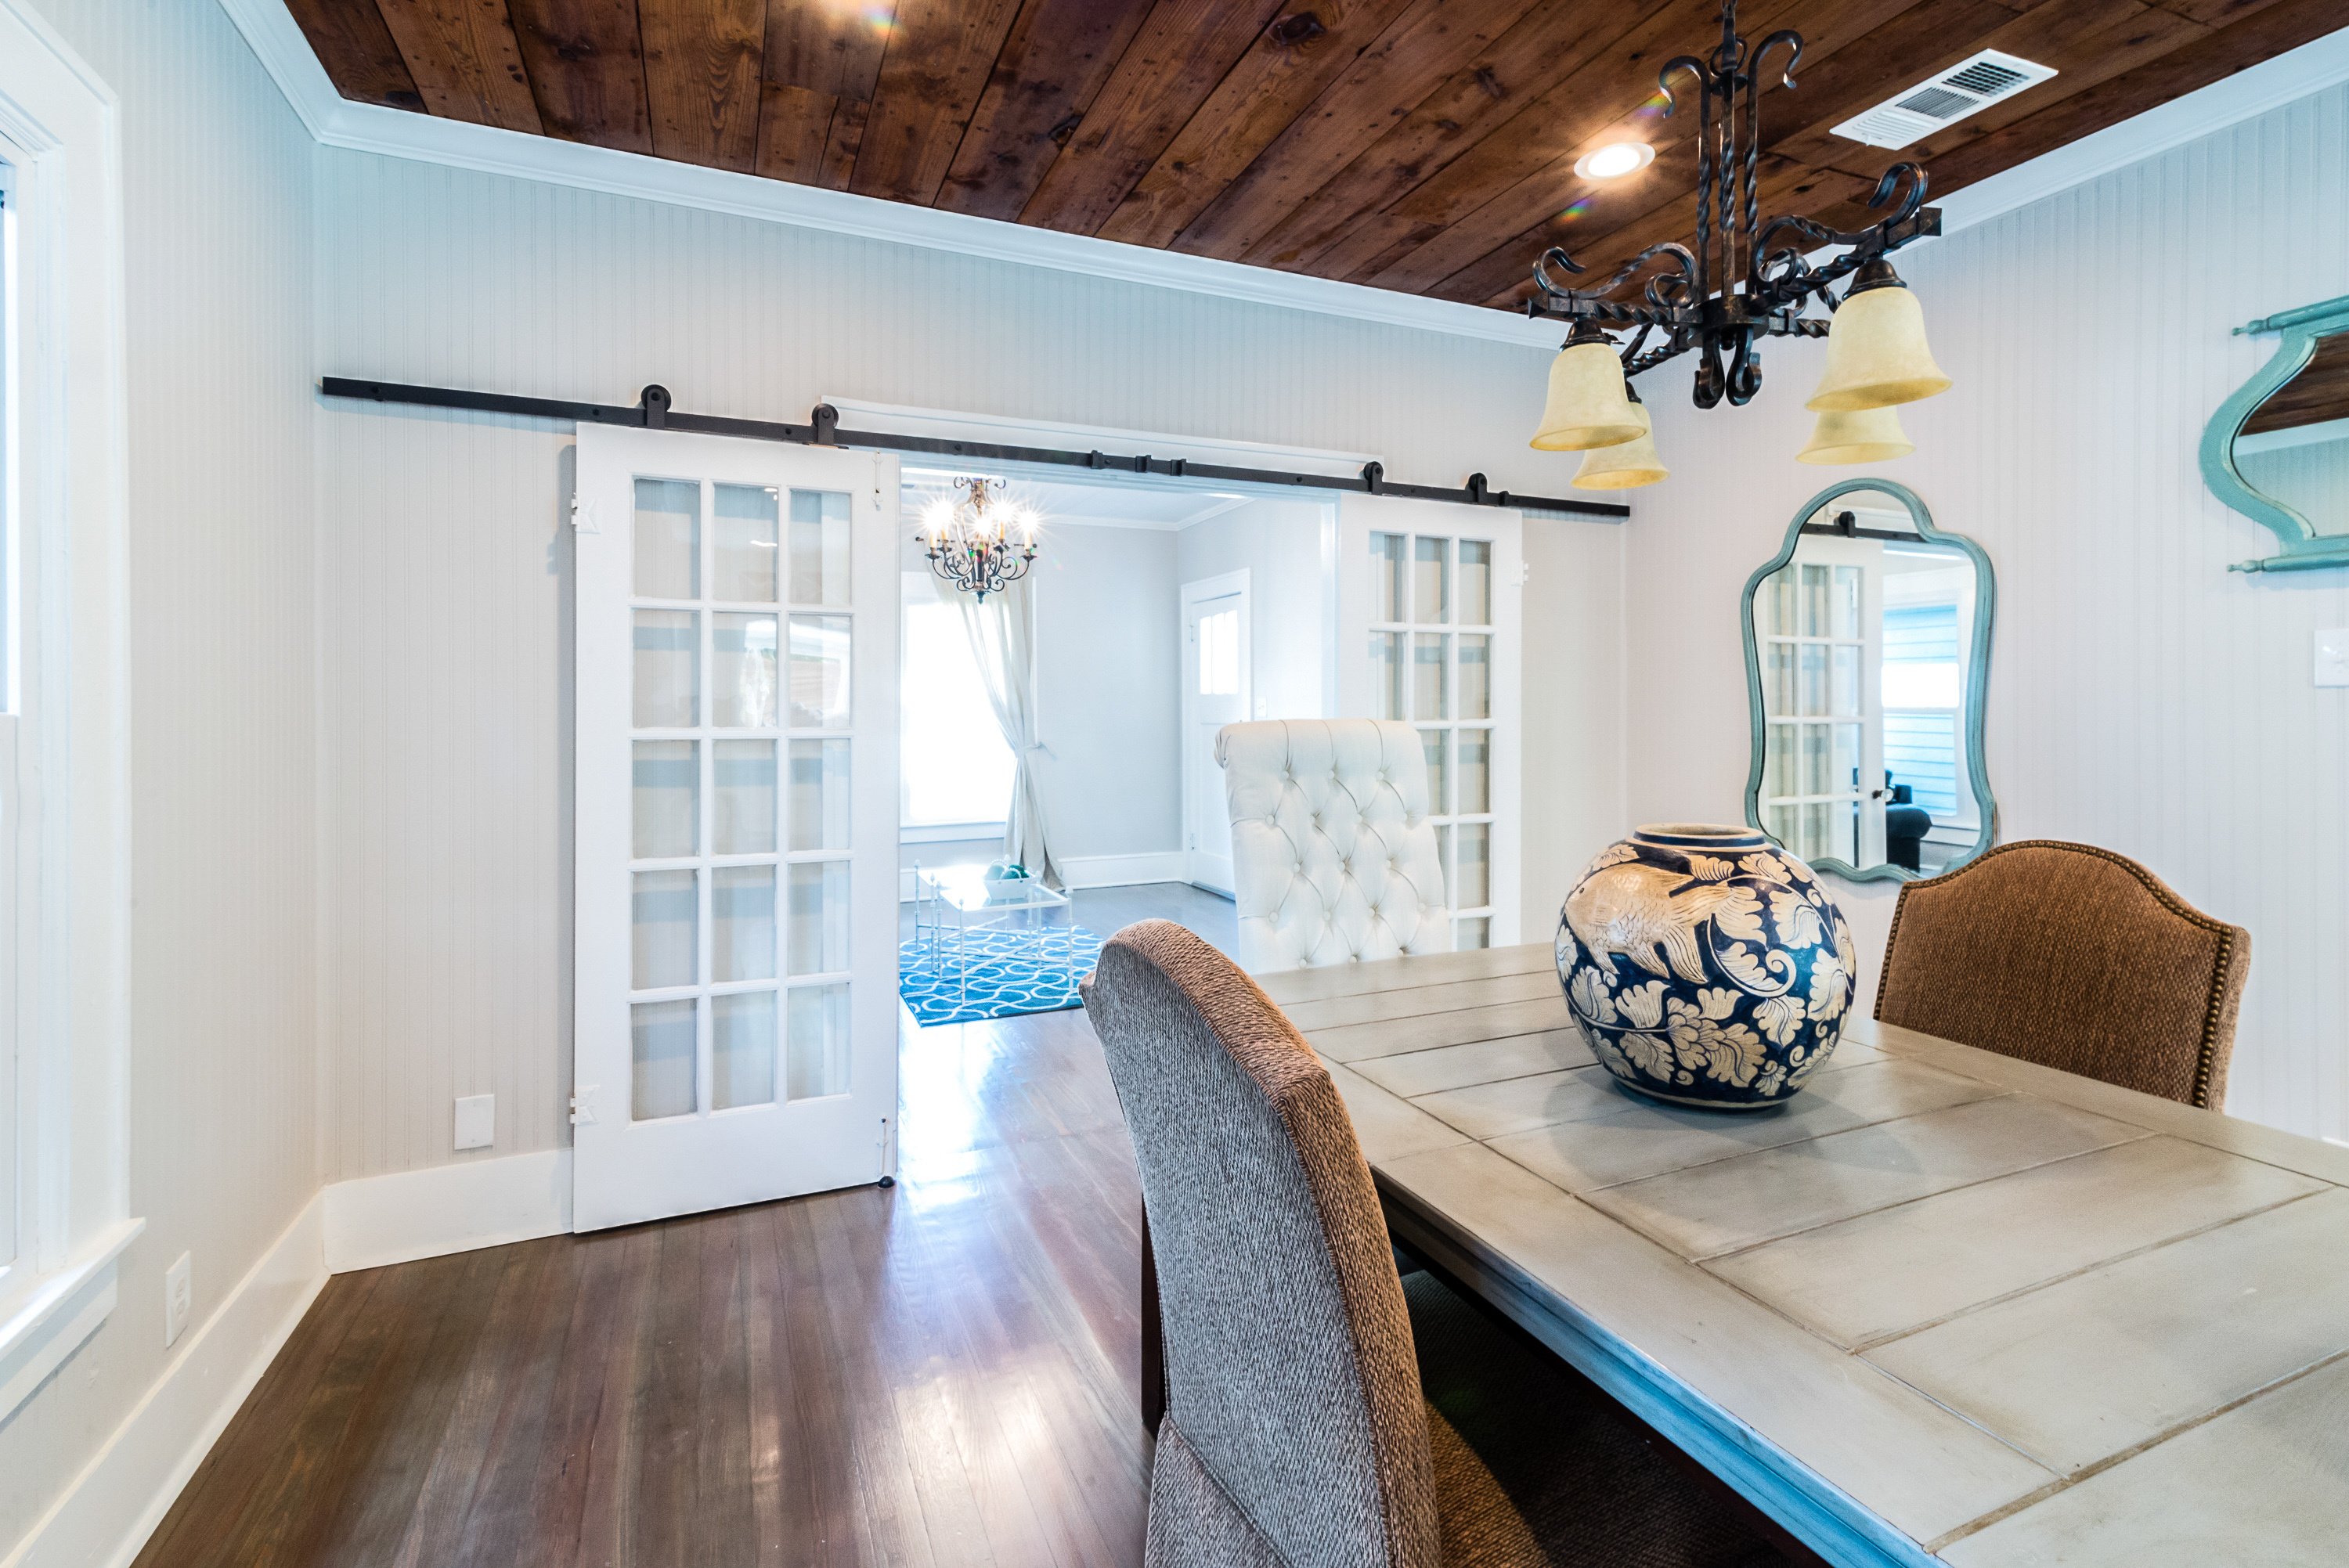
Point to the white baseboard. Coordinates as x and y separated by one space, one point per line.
411 1214
1125 870
115 1504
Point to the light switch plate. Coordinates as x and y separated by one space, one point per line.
477 1121
179 1298
2332 658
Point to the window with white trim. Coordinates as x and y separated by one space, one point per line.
63 1028
954 771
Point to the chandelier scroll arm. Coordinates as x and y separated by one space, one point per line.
1666 293
1903 188
1678 63
1793 41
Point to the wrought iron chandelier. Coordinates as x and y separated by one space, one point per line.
1745 280
980 539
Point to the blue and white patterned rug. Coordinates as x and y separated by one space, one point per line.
1008 976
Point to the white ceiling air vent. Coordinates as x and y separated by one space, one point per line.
1964 88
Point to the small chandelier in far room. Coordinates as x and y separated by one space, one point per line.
979 538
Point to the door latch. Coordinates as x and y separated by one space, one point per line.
582 517
582 1114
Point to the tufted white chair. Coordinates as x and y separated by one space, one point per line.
1333 858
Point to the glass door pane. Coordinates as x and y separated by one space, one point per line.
742 791
1431 695
819 795
819 671
668 669
665 785
742 923
665 911
743 518
662 1045
668 539
1386 577
1386 674
1430 581
742 666
742 1034
820 543
1475 583
819 917
819 1042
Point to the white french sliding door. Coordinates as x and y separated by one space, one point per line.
1429 606
736 1003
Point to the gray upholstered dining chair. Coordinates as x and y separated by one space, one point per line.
1318 1409
2072 957
1333 857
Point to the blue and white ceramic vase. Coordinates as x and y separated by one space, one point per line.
1705 965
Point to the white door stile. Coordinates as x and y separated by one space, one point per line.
695 1155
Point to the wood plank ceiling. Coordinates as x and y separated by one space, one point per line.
1425 146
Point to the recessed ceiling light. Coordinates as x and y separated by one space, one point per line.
1614 160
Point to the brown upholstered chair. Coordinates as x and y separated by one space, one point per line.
2072 957
1318 1411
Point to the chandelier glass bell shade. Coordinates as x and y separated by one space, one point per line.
1869 436
1626 464
1877 354
1588 403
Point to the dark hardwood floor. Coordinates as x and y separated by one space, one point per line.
942 1373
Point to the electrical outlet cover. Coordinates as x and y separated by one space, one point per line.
2333 659
477 1121
179 1298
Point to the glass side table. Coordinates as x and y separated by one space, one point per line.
952 903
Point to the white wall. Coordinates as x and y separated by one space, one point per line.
446 716
1279 542
1577 736
222 1089
1107 690
2141 696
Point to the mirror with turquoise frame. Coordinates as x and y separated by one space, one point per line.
1867 662
2278 450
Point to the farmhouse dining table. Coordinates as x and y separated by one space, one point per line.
1943 1307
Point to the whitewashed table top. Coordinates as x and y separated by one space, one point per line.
1945 1306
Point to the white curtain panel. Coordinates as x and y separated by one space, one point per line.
1002 628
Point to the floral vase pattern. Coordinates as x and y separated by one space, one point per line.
1705 965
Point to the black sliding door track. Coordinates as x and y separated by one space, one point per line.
651 412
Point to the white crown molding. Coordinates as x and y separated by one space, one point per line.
2311 68
336 121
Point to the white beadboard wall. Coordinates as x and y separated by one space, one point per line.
2142 697
224 1091
445 712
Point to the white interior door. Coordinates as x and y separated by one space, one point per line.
736 1004
1429 601
1215 681
1821 623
